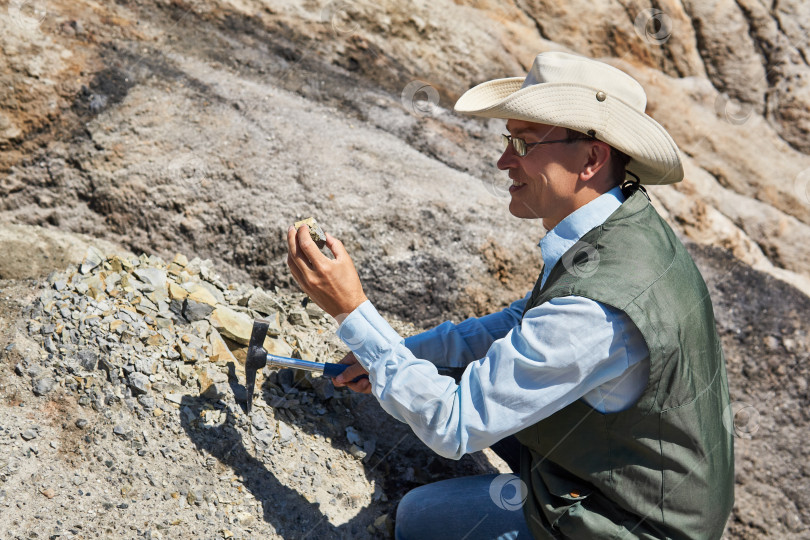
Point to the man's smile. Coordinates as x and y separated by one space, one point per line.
515 185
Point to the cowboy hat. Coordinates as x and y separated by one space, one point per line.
588 96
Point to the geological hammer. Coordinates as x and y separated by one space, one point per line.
257 358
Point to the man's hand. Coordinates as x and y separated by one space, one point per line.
333 284
354 370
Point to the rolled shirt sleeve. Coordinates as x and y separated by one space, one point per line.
561 351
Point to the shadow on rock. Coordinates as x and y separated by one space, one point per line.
290 514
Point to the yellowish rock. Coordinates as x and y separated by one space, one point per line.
115 263
204 296
277 346
180 260
219 350
232 324
155 340
204 379
176 292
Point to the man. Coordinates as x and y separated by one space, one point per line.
609 373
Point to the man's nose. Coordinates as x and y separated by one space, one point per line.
508 159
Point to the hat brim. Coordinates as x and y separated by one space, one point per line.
655 158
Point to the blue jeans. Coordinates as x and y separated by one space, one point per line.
469 508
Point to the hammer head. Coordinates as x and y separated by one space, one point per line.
256 358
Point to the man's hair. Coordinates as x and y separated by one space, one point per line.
618 159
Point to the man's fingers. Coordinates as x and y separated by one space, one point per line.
336 247
363 386
350 373
308 248
295 252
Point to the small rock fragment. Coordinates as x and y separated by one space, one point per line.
87 359
43 386
138 382
259 420
285 433
216 391
147 402
324 388
196 311
174 398
315 231
357 452
298 317
92 259
266 436
353 437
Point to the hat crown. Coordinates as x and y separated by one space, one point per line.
565 68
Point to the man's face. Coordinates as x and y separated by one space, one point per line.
544 181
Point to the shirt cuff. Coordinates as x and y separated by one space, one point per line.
367 334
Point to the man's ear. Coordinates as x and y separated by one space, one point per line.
597 159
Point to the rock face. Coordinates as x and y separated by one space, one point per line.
119 121
225 179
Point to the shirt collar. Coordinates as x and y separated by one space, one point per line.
568 231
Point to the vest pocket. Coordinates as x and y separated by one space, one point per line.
581 511
568 499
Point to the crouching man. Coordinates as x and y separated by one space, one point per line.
609 373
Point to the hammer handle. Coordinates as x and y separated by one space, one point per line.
326 369
333 370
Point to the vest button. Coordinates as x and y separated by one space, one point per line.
601 96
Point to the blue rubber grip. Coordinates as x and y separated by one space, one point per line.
333 370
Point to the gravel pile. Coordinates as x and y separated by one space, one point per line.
152 355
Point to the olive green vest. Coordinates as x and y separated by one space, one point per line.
664 468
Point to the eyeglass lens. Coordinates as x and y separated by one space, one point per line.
517 143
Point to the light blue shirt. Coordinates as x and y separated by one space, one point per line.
518 372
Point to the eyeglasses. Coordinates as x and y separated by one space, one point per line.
521 146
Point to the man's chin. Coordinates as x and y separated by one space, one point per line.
520 210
